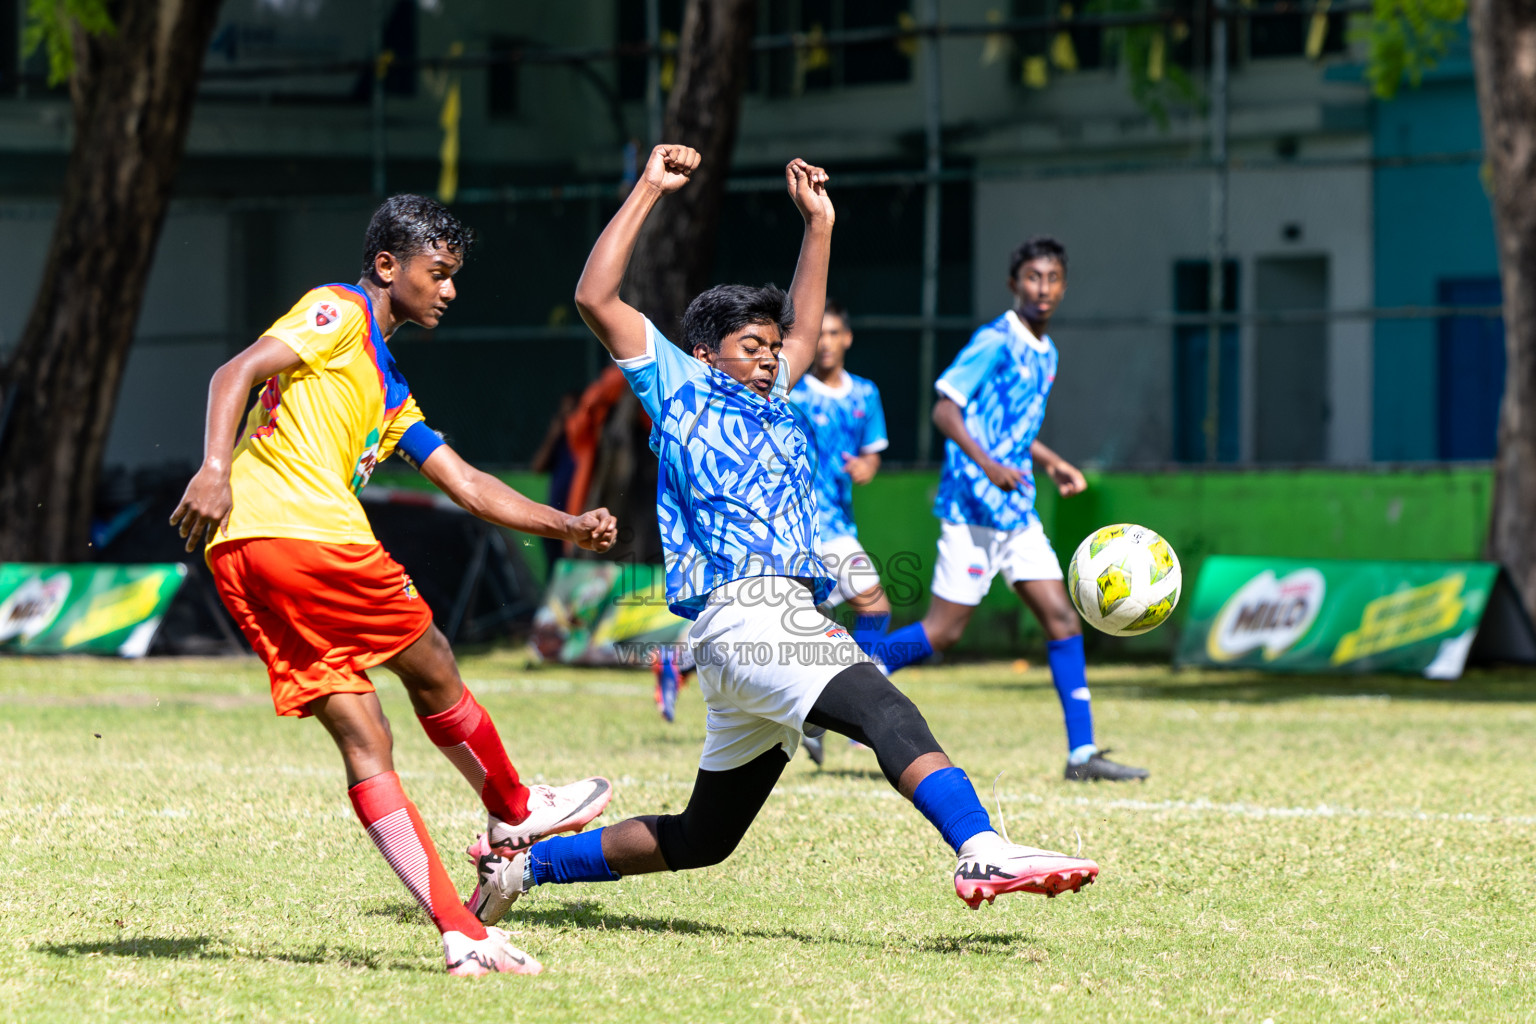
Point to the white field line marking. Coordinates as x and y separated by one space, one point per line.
1199 808
473 817
525 684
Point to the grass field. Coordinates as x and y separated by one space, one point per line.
1307 849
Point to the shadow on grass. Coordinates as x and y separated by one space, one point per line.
593 917
851 773
402 911
203 947
196 947
1242 687
1007 945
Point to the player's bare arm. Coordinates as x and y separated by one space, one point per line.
207 502
1068 478
808 188
617 324
483 495
862 468
950 419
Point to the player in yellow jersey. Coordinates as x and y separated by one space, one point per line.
319 598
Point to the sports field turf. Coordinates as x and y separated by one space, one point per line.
1307 849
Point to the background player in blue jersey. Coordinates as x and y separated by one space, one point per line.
842 416
737 514
991 403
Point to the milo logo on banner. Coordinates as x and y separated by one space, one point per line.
1269 612
1286 614
33 606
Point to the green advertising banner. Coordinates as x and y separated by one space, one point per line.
602 612
84 609
1338 616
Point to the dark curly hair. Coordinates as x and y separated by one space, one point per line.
1034 248
838 310
730 307
408 225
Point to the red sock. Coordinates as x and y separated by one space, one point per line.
467 737
396 829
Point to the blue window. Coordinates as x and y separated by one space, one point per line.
1471 361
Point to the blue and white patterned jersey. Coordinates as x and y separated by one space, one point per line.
840 422
736 494
1001 379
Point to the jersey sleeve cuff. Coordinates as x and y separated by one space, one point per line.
875 446
635 362
951 392
418 443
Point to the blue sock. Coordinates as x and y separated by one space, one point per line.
869 631
904 646
949 801
1069 671
577 858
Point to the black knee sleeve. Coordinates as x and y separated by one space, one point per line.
719 812
861 703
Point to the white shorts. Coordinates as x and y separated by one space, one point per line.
852 567
969 556
764 655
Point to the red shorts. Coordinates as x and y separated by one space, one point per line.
319 614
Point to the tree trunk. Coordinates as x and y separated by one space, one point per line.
1504 54
676 250
132 93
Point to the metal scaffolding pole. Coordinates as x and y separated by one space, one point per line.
933 167
1216 290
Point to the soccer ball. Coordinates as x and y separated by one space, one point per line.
1124 580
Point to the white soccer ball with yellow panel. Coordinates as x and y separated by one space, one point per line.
1124 580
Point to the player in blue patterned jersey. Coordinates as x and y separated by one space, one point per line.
990 406
737 508
842 415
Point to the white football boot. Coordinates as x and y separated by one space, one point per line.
498 881
988 867
551 809
469 958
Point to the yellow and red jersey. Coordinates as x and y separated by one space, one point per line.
313 439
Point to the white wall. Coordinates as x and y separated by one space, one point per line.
1113 398
183 336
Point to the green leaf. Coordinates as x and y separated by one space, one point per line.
51 24
1154 81
1406 38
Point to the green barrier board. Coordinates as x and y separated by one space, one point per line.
84 609
604 612
1337 616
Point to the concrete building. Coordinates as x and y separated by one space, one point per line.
1337 203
